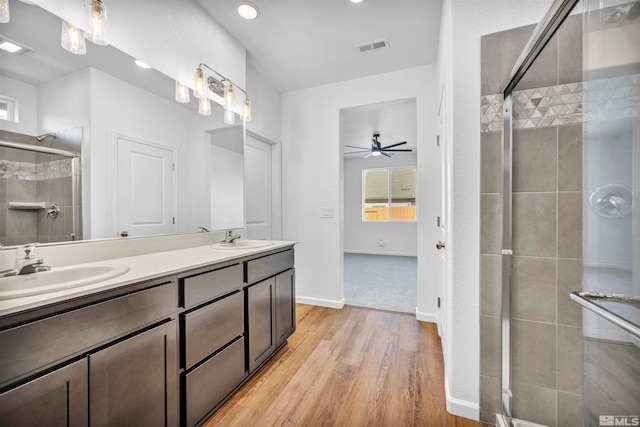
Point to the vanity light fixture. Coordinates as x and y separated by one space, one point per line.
204 106
182 93
4 11
142 64
224 88
248 11
96 22
72 39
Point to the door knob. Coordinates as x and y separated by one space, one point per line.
439 245
124 233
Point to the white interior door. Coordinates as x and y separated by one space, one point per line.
258 196
440 245
145 188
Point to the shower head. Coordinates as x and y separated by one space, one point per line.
43 137
630 12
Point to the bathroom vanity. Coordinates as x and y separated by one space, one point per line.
164 348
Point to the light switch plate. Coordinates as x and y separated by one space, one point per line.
326 212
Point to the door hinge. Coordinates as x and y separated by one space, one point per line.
174 219
438 221
437 140
438 302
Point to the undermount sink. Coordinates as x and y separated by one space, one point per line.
57 279
243 244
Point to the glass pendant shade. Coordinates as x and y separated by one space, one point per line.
198 88
229 93
182 93
72 39
96 22
246 110
229 117
204 106
4 11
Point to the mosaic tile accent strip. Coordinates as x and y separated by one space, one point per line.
596 100
35 171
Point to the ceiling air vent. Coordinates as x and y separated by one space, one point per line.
379 44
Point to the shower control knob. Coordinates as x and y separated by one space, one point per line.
439 245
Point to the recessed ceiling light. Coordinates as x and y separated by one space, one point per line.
248 11
142 64
356 1
10 47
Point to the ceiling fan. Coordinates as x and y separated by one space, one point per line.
377 149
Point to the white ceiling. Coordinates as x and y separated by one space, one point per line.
304 43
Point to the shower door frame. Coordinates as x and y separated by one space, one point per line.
546 28
75 168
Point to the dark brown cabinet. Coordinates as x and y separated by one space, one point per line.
261 315
285 306
58 398
134 382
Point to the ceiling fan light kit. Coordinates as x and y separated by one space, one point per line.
377 149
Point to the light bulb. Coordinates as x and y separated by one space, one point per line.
204 107
4 11
229 93
376 153
182 93
72 39
198 88
229 117
246 110
96 22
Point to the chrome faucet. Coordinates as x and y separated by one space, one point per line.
229 237
27 262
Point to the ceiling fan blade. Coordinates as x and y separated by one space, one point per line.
394 145
398 149
353 146
368 155
356 152
385 154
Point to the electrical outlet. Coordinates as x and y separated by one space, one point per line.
326 212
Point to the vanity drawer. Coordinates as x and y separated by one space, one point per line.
208 384
211 327
53 339
203 287
267 266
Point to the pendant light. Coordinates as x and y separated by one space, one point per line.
96 22
72 39
182 93
4 11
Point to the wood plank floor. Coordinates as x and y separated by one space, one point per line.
351 367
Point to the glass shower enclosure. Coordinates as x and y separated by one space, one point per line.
566 131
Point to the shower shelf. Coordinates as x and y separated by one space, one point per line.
30 206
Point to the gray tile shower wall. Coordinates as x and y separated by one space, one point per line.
547 227
28 177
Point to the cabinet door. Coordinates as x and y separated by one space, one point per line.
55 399
134 382
261 310
285 306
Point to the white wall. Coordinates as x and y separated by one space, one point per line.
312 174
64 103
400 238
463 22
27 97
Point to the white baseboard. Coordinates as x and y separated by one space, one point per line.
459 407
321 302
426 317
348 251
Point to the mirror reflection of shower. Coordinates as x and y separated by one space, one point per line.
40 194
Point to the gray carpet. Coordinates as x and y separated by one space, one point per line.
381 281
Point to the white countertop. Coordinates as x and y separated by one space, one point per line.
141 268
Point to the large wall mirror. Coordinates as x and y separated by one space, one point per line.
148 164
